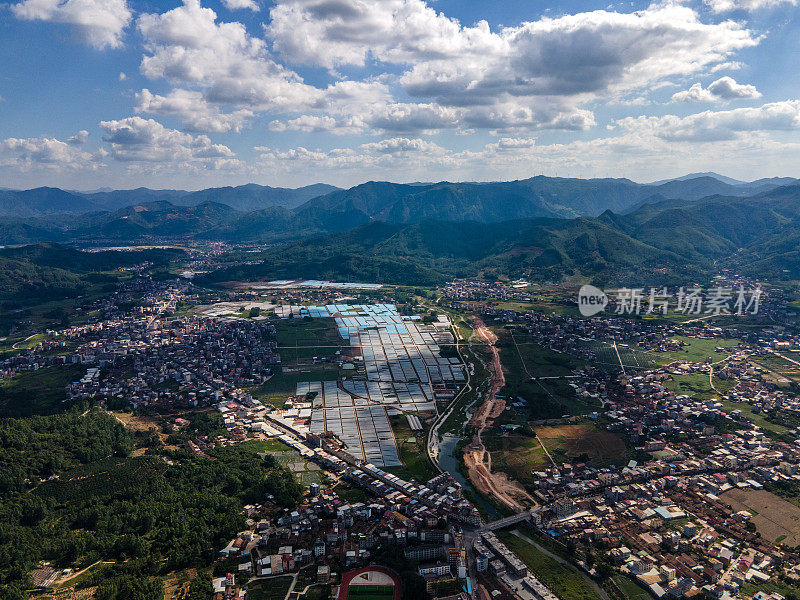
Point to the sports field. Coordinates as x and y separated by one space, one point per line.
370 592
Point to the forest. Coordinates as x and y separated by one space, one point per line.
72 493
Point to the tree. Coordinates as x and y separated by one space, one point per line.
12 592
604 571
201 587
571 547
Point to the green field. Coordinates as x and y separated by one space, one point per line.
779 363
412 452
307 332
303 339
520 455
349 493
516 305
529 357
564 580
631 589
698 350
697 386
304 470
282 385
270 445
370 592
274 588
37 392
523 359
631 356
756 418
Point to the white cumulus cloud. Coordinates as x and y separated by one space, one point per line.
99 22
135 139
48 153
724 88
711 125
186 45
194 111
241 4
728 5
535 75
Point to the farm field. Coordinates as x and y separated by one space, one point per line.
582 441
304 470
564 580
269 445
37 392
411 446
522 357
696 385
781 364
517 305
631 357
282 385
776 519
350 493
274 588
519 457
307 332
545 399
306 338
755 418
698 350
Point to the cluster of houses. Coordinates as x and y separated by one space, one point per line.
326 534
148 357
469 289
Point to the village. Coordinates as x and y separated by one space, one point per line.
672 517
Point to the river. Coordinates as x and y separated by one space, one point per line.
449 463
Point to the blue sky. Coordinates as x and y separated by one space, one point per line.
122 93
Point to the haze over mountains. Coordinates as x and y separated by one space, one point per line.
46 201
542 227
254 212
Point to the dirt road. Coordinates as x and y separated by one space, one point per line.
476 458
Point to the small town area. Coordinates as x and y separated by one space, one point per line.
617 458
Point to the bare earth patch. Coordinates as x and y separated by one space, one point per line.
582 438
776 517
477 460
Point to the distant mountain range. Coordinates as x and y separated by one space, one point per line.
542 227
49 201
661 243
259 213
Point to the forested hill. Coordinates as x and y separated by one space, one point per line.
41 272
255 213
71 492
758 235
428 233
